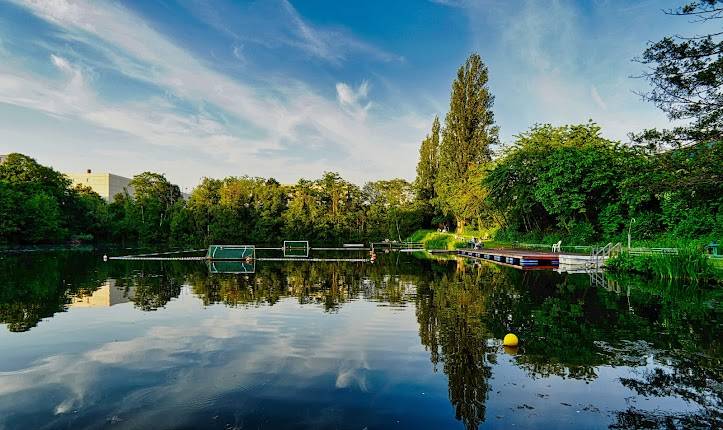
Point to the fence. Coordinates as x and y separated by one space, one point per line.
652 251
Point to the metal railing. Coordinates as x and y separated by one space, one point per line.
651 251
599 255
584 249
392 245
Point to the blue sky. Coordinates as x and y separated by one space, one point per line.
291 89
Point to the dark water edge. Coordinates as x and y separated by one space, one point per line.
404 343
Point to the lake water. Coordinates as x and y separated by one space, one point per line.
403 343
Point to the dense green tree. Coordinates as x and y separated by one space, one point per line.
567 179
29 176
428 164
150 213
686 74
10 223
327 210
570 181
342 208
303 212
88 213
201 206
36 199
468 133
43 220
686 185
427 170
390 209
122 224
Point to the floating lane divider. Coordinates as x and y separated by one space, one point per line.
159 256
293 251
133 257
349 260
339 249
155 254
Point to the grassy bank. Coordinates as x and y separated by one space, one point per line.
689 263
433 239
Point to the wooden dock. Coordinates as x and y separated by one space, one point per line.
520 258
537 260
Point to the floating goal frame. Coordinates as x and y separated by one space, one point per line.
296 248
231 252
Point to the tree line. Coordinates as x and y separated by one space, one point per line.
39 205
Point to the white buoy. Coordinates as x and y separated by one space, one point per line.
105 258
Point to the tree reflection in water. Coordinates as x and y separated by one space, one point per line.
449 312
570 329
567 328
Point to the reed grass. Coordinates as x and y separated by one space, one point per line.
689 263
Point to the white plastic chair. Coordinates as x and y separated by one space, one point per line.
556 247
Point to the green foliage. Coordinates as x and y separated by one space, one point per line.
563 178
428 164
689 263
686 75
10 201
437 240
390 209
151 211
570 183
42 219
469 131
37 204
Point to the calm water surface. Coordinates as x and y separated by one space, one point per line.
404 343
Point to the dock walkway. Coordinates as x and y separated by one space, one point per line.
532 260
524 258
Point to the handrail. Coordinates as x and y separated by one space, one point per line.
547 246
647 251
599 255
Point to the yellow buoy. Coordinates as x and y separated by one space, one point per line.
510 340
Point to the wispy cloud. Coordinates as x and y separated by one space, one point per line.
596 98
276 23
275 111
354 101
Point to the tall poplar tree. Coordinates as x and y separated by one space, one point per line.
428 164
469 130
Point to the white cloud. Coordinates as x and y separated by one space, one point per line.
354 101
277 108
60 63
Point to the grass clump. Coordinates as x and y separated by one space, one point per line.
433 239
689 263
